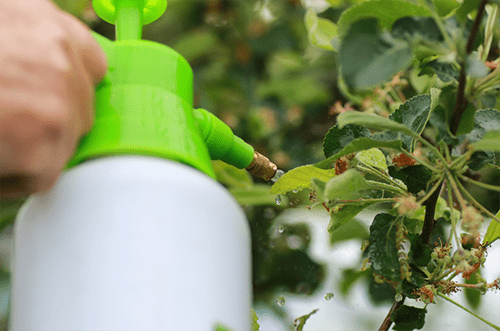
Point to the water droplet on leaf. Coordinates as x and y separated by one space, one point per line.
398 297
329 296
295 191
278 200
280 301
281 229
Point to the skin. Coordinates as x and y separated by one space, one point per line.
49 66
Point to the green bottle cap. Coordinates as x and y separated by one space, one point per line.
144 105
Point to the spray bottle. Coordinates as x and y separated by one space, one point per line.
136 234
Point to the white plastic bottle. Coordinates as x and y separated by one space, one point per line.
131 243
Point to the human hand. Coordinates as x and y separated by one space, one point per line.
49 66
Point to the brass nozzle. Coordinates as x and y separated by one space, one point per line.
262 167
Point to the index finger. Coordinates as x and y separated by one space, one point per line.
87 49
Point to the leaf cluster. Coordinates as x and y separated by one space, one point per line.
415 152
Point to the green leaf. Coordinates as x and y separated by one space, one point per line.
493 232
318 187
369 58
442 210
258 195
8 212
300 178
301 321
336 139
382 251
465 8
196 44
349 278
386 11
320 31
481 158
413 26
490 142
484 120
232 176
444 70
414 114
435 94
475 68
220 327
356 145
445 7
473 296
413 225
419 252
75 7
255 319
373 157
371 121
415 177
347 186
467 120
416 282
344 214
335 3
408 318
354 229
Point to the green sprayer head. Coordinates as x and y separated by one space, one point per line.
144 105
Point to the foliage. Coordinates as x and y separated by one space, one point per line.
413 146
376 84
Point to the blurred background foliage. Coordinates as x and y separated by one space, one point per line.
256 68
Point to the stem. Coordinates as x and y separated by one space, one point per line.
431 147
358 201
432 190
386 324
453 233
453 183
477 204
386 187
441 28
376 172
467 310
488 36
429 221
480 184
422 162
461 102
459 160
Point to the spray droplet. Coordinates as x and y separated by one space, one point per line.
277 175
280 301
281 229
329 296
398 297
278 200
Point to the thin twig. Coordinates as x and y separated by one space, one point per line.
469 311
461 102
386 324
429 221
480 184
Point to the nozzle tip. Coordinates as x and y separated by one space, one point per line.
262 167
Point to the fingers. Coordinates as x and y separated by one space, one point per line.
47 82
87 48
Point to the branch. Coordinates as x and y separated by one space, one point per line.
387 321
461 103
429 221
